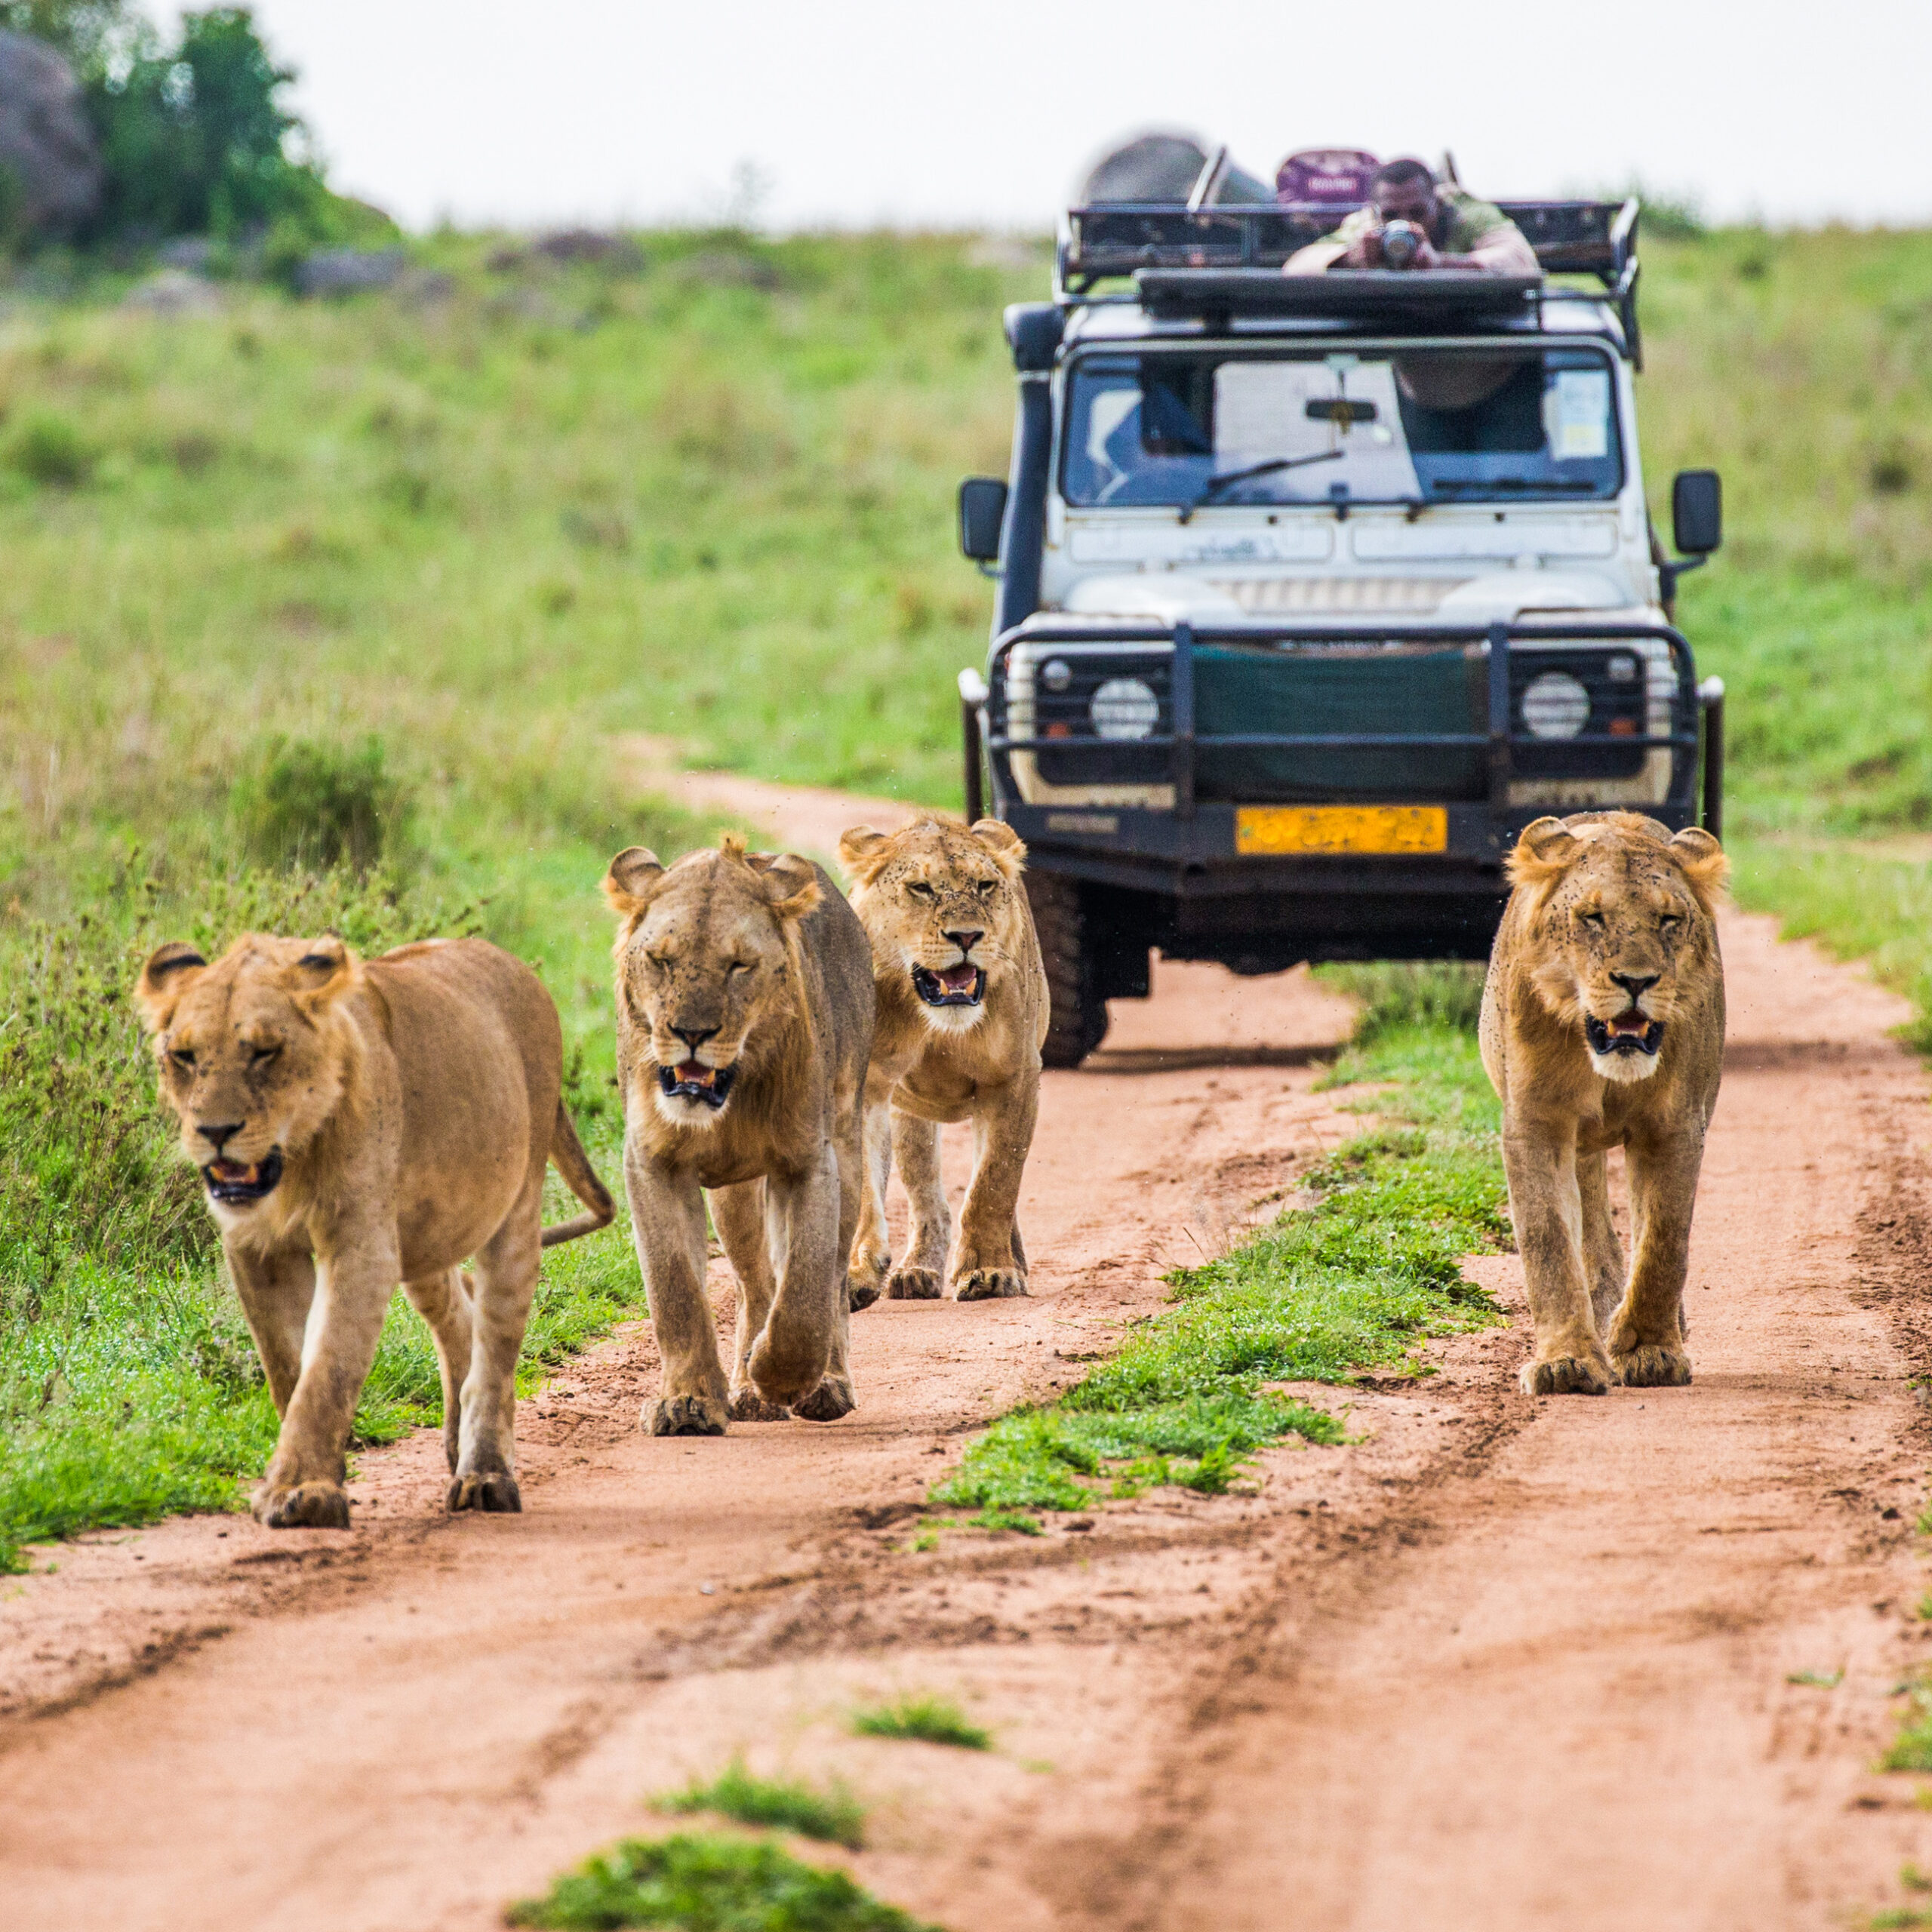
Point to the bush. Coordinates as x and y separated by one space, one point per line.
48 449
319 805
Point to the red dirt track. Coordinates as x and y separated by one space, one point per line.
1500 1662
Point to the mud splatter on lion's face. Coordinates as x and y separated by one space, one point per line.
1623 926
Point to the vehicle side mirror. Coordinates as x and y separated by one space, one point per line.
982 512
1696 512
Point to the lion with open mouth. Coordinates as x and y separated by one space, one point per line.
358 1123
744 1024
962 1015
1603 1026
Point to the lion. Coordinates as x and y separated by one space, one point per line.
744 1024
962 1016
359 1123
1603 1026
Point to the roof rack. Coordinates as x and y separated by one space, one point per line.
1175 242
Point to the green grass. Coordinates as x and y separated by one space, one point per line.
835 1817
705 1884
1799 365
1912 1749
925 1718
1358 1282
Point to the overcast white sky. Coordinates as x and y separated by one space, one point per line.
983 114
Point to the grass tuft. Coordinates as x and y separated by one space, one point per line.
1912 1749
835 1817
709 1884
928 1720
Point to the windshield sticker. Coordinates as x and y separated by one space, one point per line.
1582 429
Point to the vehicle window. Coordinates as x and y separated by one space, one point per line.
1440 425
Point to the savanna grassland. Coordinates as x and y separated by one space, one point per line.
344 614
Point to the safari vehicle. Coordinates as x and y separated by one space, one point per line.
1314 590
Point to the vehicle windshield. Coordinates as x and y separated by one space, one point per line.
1482 424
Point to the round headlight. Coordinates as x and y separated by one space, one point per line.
1555 705
1056 673
1125 708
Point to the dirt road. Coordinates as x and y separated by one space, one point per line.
1498 1663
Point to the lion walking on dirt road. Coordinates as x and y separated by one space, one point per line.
359 1123
1602 1026
962 1016
744 1024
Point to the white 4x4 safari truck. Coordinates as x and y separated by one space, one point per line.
1314 590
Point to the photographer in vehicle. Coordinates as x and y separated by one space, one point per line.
1412 222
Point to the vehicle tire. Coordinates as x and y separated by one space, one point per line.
1077 1015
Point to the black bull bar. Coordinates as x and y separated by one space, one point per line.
1191 850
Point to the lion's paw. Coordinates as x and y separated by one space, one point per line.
1651 1365
988 1284
832 1398
1566 1375
493 1491
913 1284
686 1415
307 1506
748 1405
861 1292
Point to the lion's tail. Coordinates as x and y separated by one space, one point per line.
573 1164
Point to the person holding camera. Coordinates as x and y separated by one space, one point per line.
1414 222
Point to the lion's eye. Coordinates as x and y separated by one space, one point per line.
985 888
1669 922
182 1058
1591 918
657 960
737 967
261 1056
919 889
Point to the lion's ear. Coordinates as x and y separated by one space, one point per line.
791 883
1704 863
631 881
862 852
1545 849
1005 845
169 973
321 974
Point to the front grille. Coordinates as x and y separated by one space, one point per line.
1310 596
1582 712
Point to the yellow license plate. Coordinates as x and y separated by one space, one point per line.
1341 829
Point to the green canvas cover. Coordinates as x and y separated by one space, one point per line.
1238 691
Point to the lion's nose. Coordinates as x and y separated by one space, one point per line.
965 941
1635 985
216 1136
695 1037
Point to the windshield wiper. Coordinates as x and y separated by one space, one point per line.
1229 478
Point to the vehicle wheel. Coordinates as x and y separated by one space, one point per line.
1077 1021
